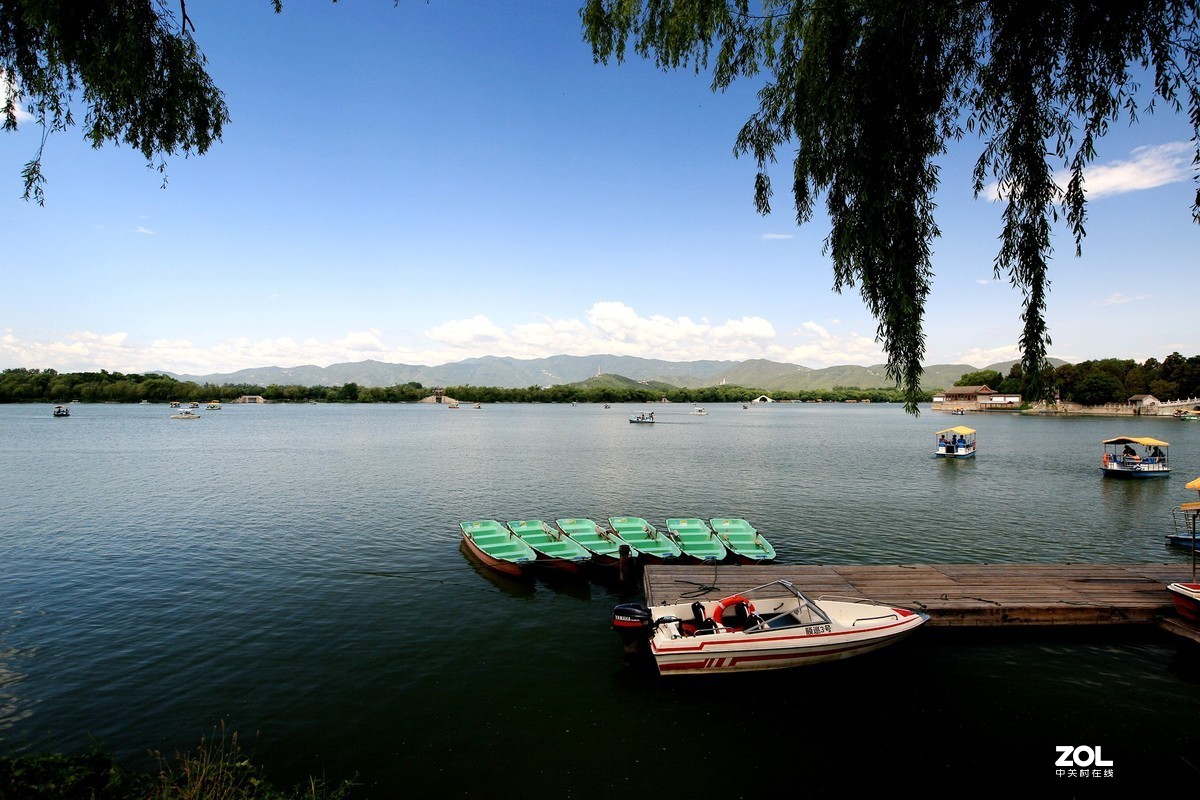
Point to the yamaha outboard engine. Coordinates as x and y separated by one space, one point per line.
633 623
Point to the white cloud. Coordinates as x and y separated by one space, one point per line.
815 328
1148 167
477 330
140 229
86 351
606 327
774 236
1119 299
8 88
981 357
820 348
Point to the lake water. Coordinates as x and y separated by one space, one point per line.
294 571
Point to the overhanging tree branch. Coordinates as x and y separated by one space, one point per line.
869 91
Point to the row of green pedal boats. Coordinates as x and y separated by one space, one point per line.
573 544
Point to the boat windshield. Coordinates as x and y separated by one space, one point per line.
781 605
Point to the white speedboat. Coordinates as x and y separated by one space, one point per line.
186 414
698 412
769 627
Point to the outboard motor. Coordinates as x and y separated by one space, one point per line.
633 623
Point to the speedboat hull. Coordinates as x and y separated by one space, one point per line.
771 627
780 653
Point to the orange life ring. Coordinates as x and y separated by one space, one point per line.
1107 459
730 602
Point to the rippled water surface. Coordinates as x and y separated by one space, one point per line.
294 571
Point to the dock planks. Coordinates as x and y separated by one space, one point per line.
960 595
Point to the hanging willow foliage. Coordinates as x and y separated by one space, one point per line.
131 63
870 92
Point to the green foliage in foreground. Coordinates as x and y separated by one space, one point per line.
217 770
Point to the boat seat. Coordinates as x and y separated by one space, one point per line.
700 623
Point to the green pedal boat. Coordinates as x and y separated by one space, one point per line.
555 549
655 547
745 543
497 548
697 540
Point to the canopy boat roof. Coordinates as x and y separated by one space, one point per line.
1145 440
965 431
1192 484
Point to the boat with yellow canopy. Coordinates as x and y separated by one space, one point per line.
1135 457
956 442
1185 520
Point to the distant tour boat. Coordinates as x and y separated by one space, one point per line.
62 411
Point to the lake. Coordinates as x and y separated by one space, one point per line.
294 572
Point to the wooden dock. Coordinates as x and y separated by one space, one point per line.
958 595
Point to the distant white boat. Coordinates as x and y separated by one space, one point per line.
698 412
186 414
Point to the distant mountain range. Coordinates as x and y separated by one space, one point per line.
514 373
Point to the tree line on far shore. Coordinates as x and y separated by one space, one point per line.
1091 383
49 386
1107 380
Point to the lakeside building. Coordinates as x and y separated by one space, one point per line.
1144 403
974 398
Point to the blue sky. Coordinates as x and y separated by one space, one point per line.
436 181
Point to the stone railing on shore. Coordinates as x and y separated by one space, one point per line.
1114 409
